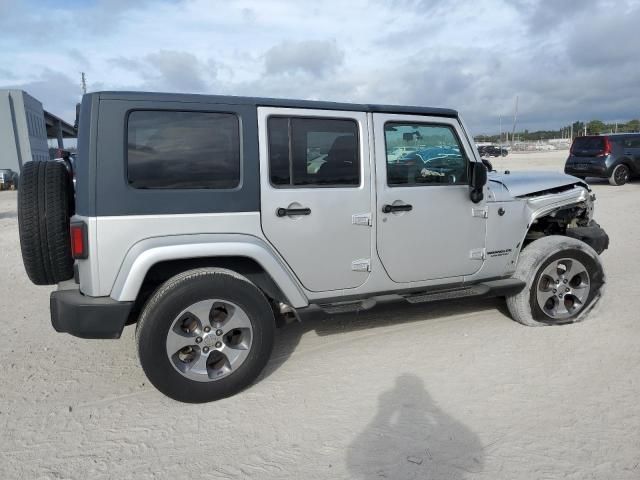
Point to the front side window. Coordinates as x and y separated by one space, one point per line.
313 152
424 154
183 150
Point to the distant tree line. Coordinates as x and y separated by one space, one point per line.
594 127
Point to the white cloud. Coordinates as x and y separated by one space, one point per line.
314 57
562 58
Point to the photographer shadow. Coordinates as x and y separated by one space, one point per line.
411 437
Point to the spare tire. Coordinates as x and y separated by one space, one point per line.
44 208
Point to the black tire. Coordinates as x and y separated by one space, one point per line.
44 210
176 295
620 175
534 258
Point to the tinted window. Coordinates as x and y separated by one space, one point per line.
423 154
183 150
313 152
632 142
588 143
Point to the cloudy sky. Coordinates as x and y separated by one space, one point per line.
566 60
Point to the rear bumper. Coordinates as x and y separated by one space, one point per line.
88 317
587 170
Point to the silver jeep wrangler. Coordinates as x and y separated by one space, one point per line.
205 219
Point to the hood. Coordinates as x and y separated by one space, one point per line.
526 183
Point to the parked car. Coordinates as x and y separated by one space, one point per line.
8 179
198 219
616 157
434 165
492 151
397 153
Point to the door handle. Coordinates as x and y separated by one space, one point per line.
291 212
396 208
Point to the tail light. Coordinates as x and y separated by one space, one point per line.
607 147
79 241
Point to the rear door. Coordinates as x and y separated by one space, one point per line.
428 228
316 193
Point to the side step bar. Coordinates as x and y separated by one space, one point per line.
493 288
349 307
472 291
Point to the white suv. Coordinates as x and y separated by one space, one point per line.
203 219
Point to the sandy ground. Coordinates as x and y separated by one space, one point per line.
451 391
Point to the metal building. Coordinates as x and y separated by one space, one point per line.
24 129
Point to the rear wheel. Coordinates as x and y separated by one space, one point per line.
563 277
204 335
620 175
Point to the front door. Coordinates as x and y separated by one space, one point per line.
428 228
316 194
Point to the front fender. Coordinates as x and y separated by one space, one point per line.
540 206
546 204
146 253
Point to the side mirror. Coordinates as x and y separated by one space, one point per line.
478 181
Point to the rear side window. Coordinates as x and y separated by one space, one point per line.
183 150
632 142
313 152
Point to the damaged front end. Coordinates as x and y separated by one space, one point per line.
557 204
567 212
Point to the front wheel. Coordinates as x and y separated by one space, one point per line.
564 279
204 335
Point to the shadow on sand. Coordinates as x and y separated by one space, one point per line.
288 336
411 437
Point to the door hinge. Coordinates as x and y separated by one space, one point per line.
361 265
478 254
480 212
363 219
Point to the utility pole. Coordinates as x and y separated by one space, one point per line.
500 130
515 118
84 83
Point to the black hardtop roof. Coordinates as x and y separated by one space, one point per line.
275 102
621 135
601 135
